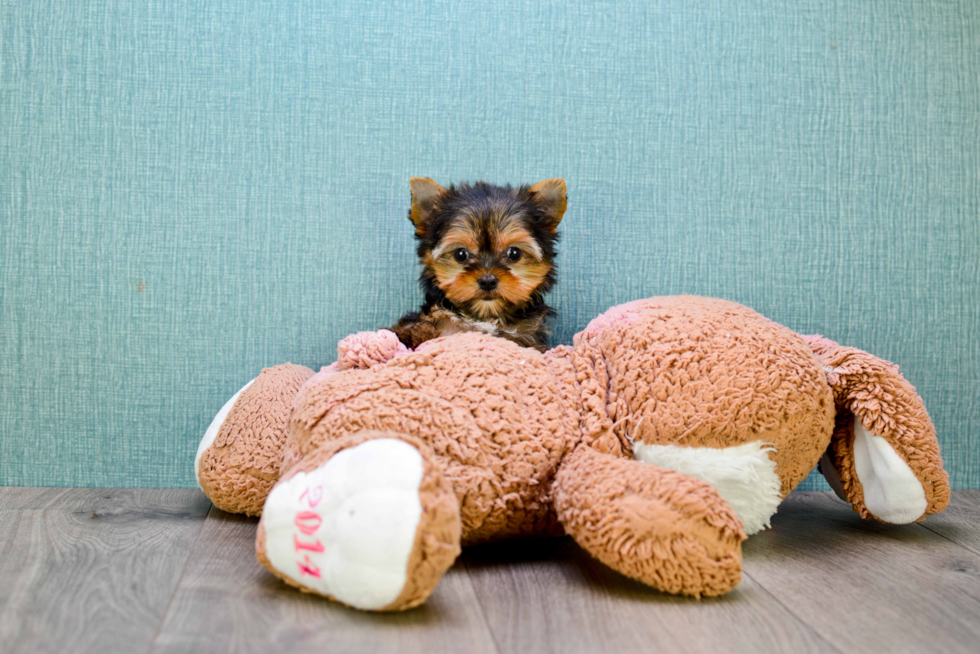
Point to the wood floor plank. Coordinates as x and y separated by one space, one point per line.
550 596
91 570
227 602
865 586
960 522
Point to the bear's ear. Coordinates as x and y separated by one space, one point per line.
550 196
425 194
884 456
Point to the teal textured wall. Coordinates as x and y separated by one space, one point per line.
191 191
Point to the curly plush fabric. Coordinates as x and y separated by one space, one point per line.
491 411
873 391
688 372
702 372
239 468
666 529
366 349
712 399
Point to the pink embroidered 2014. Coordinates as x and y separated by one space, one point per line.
313 547
314 496
309 568
308 523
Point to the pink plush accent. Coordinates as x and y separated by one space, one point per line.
365 349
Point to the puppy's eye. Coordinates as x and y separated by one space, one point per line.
461 255
514 254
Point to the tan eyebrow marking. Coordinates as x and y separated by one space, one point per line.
455 237
514 234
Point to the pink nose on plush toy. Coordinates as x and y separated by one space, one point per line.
366 349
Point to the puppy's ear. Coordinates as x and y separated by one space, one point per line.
425 193
550 196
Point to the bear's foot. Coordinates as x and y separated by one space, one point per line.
367 520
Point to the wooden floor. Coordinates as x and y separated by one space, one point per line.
95 570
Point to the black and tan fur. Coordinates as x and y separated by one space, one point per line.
487 256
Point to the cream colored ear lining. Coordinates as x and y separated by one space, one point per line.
891 490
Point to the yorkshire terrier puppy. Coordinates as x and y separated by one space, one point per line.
487 256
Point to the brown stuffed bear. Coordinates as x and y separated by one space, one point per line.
671 429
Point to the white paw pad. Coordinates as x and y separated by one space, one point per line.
347 528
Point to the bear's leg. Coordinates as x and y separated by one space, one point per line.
368 520
667 529
884 457
239 457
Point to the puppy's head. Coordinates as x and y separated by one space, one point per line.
489 249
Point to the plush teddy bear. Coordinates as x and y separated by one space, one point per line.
671 429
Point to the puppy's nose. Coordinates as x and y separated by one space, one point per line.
487 282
